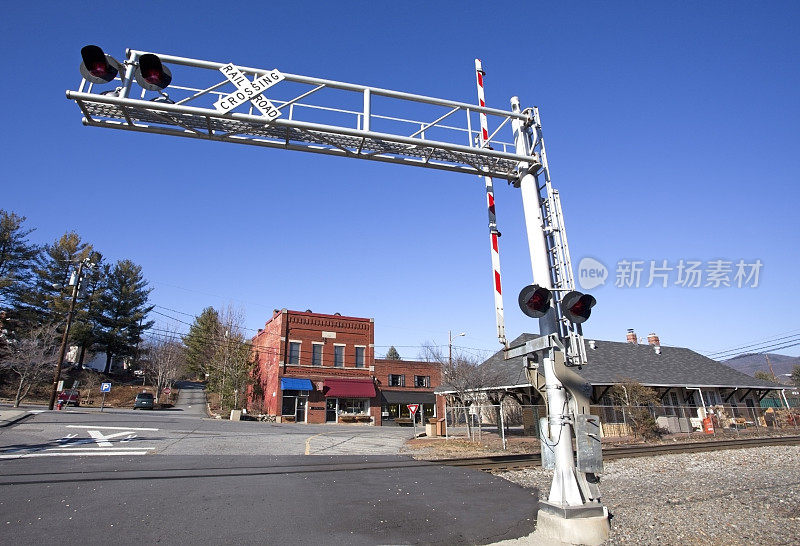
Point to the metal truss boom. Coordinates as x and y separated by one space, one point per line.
317 115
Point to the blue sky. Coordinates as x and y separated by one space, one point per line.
671 132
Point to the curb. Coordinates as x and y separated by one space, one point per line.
15 420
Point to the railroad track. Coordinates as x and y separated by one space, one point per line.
517 462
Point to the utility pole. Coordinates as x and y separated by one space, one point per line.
65 337
770 367
450 346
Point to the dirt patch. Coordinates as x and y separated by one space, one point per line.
491 444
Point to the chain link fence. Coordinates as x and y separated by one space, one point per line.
474 422
721 419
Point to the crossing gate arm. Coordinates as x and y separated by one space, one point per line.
441 139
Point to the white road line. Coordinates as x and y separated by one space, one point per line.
110 428
81 448
72 454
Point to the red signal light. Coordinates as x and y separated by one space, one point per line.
534 300
151 73
97 67
577 306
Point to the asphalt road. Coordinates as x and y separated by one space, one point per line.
176 477
191 399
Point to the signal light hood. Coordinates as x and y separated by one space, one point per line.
151 73
97 66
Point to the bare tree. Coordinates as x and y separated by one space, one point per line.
165 361
230 369
465 377
90 381
31 357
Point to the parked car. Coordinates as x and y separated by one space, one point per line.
69 396
144 400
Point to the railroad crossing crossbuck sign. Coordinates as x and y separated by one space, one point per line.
249 91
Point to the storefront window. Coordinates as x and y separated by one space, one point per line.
353 405
392 411
292 400
288 406
428 410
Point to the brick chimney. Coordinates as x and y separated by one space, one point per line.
652 339
631 337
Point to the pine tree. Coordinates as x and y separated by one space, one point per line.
17 257
202 340
123 308
392 354
46 298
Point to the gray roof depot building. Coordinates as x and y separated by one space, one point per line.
677 374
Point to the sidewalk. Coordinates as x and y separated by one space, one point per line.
9 416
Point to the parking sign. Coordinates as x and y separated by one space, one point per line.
105 387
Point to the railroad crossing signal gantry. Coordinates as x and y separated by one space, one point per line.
316 115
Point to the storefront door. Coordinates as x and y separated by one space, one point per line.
300 412
330 409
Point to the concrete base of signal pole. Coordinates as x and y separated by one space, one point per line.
587 525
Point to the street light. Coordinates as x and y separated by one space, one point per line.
450 345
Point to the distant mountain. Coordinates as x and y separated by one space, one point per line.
750 363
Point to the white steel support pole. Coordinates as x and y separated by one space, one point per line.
565 489
494 234
128 76
367 107
529 187
563 516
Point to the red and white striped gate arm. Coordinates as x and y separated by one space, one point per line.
493 233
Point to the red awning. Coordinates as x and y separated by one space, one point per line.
349 388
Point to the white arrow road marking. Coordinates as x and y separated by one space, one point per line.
99 444
103 440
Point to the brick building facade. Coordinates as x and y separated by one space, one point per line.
317 368
403 382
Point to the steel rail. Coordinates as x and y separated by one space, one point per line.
508 462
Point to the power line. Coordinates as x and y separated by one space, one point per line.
789 333
764 346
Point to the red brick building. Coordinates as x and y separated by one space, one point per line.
316 368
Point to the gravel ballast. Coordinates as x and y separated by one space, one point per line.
738 496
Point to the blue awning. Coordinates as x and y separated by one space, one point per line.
294 384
